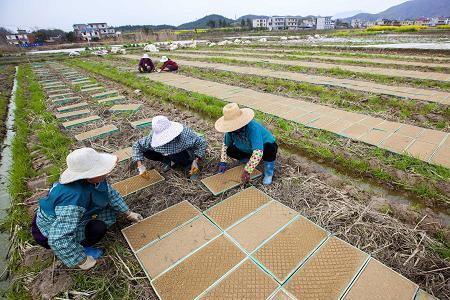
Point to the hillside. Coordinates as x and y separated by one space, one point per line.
410 10
203 22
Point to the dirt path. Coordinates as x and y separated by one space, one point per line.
356 69
359 85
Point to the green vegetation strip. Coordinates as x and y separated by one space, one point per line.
349 61
335 72
326 51
355 158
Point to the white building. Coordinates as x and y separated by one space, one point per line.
93 30
21 37
292 23
307 23
324 23
276 23
259 23
439 21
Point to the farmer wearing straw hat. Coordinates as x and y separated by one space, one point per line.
79 208
246 140
171 143
146 64
168 65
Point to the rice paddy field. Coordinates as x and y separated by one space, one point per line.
364 149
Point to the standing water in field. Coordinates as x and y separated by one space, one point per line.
5 201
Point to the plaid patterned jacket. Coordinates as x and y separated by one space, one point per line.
187 140
66 228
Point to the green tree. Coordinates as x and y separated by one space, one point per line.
211 24
242 23
70 36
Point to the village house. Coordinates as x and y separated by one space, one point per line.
19 38
324 23
93 31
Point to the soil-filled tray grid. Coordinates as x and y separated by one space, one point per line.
125 107
328 273
198 272
251 232
164 253
138 182
154 227
72 107
96 133
281 295
234 208
248 281
377 281
221 183
124 154
288 249
79 122
75 113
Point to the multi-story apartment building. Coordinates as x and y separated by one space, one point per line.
276 23
93 30
439 21
259 23
324 23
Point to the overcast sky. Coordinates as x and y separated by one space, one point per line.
62 14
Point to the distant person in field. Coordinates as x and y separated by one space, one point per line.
146 64
247 141
168 65
79 209
172 144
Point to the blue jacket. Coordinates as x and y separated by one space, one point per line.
64 213
252 137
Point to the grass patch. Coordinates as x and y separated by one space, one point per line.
321 145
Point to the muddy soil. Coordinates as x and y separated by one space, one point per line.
337 206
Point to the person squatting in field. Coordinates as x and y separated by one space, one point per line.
171 143
247 141
79 209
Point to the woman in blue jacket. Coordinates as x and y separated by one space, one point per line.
79 209
246 140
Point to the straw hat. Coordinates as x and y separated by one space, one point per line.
145 56
164 59
87 163
164 131
234 118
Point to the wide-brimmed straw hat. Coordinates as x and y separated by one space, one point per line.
164 131
145 56
87 163
234 118
164 59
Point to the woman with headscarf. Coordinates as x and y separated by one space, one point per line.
79 209
247 141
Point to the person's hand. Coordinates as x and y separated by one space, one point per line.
194 168
245 177
222 167
142 169
134 217
158 70
88 263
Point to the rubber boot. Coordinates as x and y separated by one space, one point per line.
269 169
93 251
